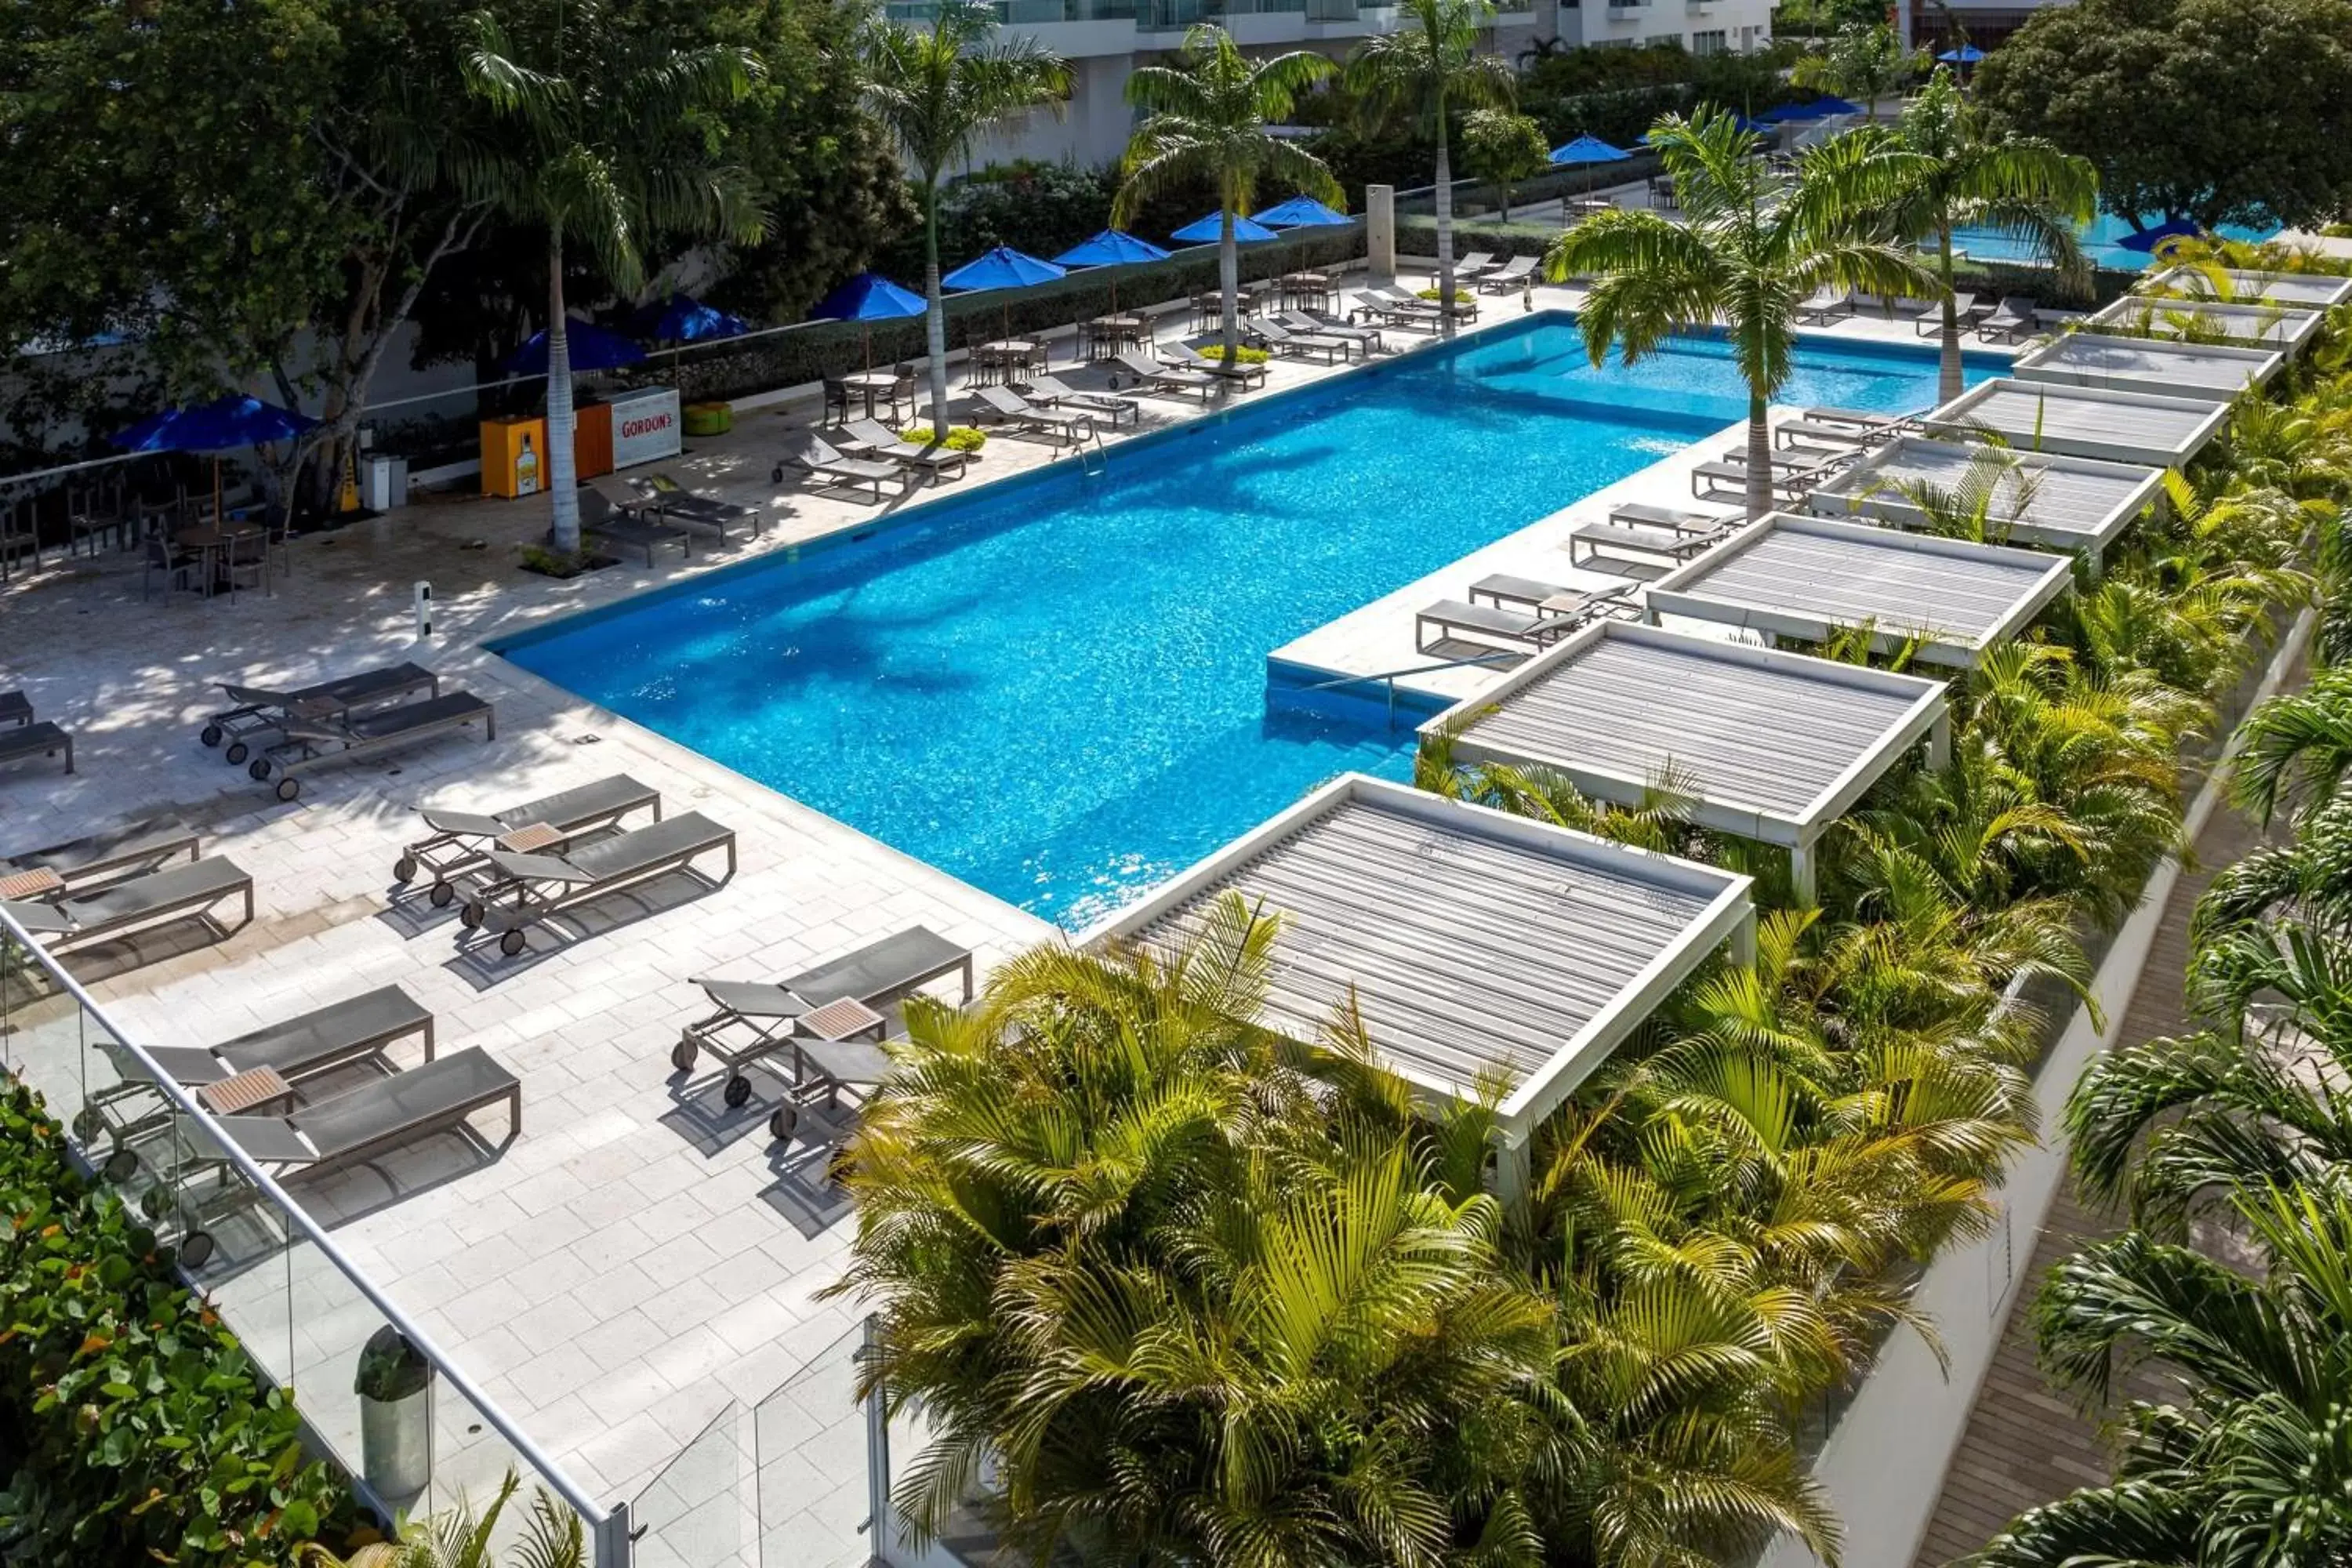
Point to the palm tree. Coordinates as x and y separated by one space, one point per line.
938 91
458 1539
1428 67
2297 746
1206 122
609 149
2021 186
1864 61
1755 244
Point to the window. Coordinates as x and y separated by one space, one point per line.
1711 43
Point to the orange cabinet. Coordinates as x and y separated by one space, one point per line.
592 438
514 457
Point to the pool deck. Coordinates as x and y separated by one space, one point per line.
639 1257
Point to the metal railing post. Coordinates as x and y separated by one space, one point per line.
877 1456
611 1542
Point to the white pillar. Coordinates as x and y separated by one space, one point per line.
1379 233
1939 742
1511 1174
1801 873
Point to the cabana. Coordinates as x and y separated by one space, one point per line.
2083 422
2218 372
1806 577
1773 746
2288 290
1478 947
2041 498
2256 326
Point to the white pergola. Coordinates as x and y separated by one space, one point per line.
2082 422
2041 498
2259 326
1772 746
2219 371
2292 290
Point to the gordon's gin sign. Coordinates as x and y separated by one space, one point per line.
646 426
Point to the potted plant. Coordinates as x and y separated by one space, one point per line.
395 1384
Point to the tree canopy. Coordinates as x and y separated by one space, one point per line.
2209 109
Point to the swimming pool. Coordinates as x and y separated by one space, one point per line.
2099 238
1055 688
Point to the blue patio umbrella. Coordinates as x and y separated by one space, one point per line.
224 425
1113 248
1966 55
1204 231
1299 212
587 347
1591 149
1824 108
1002 267
683 318
2147 239
867 299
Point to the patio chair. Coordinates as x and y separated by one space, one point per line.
1504 591
871 438
16 708
1931 320
671 499
309 745
26 742
816 457
1826 305
1515 273
1275 336
601 517
1164 378
531 888
262 710
316 1138
1051 390
756 1020
1640 514
2011 319
1634 539
84 863
1184 356
461 841
195 889
168 558
836 400
1450 616
1009 405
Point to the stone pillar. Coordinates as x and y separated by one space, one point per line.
1379 233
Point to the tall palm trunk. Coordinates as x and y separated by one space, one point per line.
1759 458
562 480
1229 285
1444 229
935 311
1947 363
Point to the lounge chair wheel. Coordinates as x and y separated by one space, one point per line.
404 867
782 1120
512 942
442 893
156 1202
257 770
776 475
197 1249
738 1090
682 1055
210 734
121 1167
472 916
88 1124
237 751
289 788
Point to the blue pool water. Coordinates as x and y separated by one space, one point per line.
1055 688
2099 239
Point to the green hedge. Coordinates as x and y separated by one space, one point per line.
135 1427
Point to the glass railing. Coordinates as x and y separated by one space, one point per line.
1171 15
303 1310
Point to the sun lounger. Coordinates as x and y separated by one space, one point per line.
1281 340
102 858
1632 540
1549 599
1471 266
1368 338
529 888
1859 419
1164 378
141 901
1930 322
1394 307
261 711
2013 319
1728 482
872 438
1515 273
601 517
754 1021
814 456
672 501
1640 514
1826 305
308 745
1791 458
461 841
1796 433
26 742
1184 356
434 1097
1450 616
1051 390
1007 403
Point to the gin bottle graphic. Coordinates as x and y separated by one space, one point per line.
527 470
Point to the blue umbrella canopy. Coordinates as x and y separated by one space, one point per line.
869 297
1002 267
1204 231
2147 239
1966 55
1299 212
588 348
1823 107
1591 149
223 425
682 319
1111 248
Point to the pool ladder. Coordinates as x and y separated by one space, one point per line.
1094 463
1389 678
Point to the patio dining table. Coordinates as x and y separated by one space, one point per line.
209 543
1105 335
1306 290
870 384
992 361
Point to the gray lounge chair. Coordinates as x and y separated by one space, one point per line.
1282 340
1859 419
1728 482
1797 433
671 500
85 863
531 888
1007 403
872 438
2011 319
26 742
1472 264
316 1138
16 708
1824 306
1504 591
308 746
1165 378
1515 273
602 517
756 1020
1051 390
1930 322
262 711
1367 338
1450 616
462 840
1640 514
1184 356
1633 539
1394 307
159 896
817 458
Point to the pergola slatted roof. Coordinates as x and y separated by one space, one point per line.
2044 498
1473 942
2262 326
2153 365
2294 290
2120 427
1807 576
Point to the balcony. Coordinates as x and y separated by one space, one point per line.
1175 16
1026 12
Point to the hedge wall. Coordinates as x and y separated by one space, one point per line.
133 1427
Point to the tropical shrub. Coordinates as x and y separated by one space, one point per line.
1240 353
139 1429
959 437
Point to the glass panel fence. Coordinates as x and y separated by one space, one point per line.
699 1511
